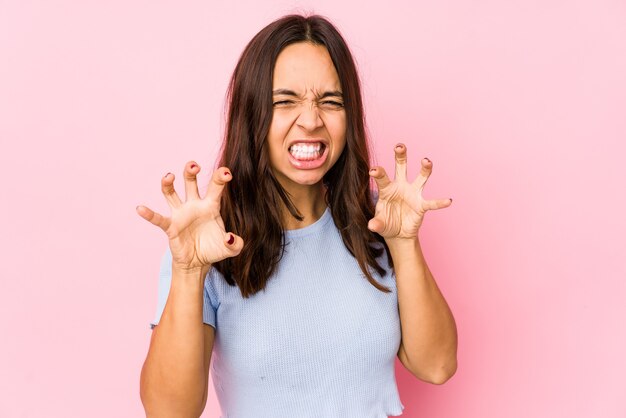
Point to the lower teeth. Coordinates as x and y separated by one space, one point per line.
314 156
307 156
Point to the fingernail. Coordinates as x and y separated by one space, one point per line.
398 145
231 240
226 173
426 159
193 166
450 200
166 175
372 170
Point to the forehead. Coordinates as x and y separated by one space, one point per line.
304 67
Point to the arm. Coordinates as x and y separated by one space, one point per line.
429 339
174 377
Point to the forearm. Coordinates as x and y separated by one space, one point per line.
429 337
173 378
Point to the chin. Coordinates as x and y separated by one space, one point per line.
307 180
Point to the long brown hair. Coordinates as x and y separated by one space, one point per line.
251 203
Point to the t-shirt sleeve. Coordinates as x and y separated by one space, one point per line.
375 196
165 281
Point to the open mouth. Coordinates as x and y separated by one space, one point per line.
308 155
307 151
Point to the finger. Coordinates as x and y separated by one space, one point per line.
400 151
380 177
221 176
191 184
436 204
425 172
167 187
234 244
376 225
153 217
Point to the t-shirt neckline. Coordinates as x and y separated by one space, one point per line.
310 229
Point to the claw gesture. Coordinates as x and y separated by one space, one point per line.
195 229
401 207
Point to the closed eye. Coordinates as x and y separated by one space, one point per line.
325 104
331 105
283 103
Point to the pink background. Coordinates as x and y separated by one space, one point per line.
521 105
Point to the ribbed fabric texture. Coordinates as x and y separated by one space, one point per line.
319 341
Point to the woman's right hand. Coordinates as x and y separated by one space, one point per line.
195 229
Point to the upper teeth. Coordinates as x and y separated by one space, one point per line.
307 148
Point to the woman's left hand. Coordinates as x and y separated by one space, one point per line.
401 207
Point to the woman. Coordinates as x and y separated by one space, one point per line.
303 293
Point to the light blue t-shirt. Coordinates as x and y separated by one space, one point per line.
319 341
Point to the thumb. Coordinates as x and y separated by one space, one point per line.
233 243
376 225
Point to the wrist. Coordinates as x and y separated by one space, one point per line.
402 242
190 272
403 248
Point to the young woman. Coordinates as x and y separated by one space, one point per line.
287 274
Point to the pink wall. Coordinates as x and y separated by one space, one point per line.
520 104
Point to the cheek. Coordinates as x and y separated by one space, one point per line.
280 125
335 124
276 134
337 129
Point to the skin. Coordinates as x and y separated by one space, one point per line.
304 73
429 337
174 378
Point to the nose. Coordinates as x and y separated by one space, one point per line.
309 118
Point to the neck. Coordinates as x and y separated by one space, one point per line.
310 202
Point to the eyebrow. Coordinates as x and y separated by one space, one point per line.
287 92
